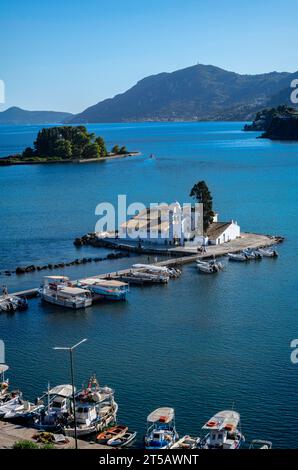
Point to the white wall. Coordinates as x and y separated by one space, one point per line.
231 233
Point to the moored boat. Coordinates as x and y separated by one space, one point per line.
114 432
56 409
186 442
59 291
209 267
241 257
95 410
105 288
122 441
269 253
260 444
161 430
222 431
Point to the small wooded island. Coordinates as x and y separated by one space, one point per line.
279 123
64 144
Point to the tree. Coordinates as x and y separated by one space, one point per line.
63 149
123 150
200 192
115 149
28 152
102 146
91 151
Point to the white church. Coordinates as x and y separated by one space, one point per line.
168 225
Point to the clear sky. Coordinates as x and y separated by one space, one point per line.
69 54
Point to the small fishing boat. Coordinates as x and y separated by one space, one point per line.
161 430
260 444
105 288
209 267
95 410
59 291
115 432
268 253
241 257
122 441
186 442
56 411
222 431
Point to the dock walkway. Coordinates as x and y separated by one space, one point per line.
11 433
181 255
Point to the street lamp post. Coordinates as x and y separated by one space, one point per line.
70 349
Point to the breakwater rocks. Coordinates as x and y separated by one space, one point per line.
32 267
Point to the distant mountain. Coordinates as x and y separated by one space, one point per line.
200 92
20 116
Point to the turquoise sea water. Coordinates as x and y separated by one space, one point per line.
199 344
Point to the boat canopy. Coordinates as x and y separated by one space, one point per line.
3 368
224 420
104 282
72 290
64 390
161 415
150 267
58 278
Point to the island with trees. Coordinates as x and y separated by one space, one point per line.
64 144
279 123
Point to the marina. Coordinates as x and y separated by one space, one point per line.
211 326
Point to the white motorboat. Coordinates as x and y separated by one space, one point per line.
6 305
269 253
95 410
209 267
187 442
161 429
252 254
22 411
59 291
222 431
11 405
241 257
260 444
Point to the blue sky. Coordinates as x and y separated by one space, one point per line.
66 55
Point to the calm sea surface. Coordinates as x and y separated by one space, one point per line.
200 344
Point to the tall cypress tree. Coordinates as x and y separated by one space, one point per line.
200 192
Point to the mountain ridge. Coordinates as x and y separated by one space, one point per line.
18 116
198 92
